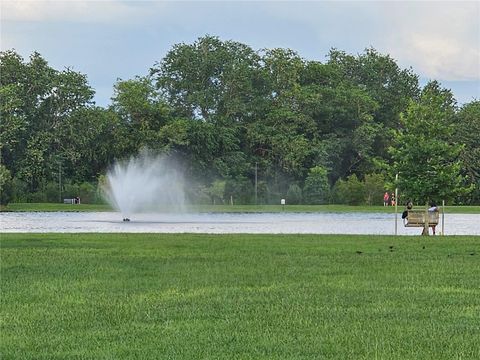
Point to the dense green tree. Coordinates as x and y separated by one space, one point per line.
5 185
214 87
217 191
13 124
467 132
282 70
381 77
374 189
390 87
229 113
142 111
91 139
294 195
207 150
36 100
317 188
345 133
350 191
210 79
280 141
239 190
425 154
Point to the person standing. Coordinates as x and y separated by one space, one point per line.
432 209
405 212
386 199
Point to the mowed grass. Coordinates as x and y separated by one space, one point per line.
21 207
183 296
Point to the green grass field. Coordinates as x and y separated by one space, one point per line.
56 207
157 296
237 208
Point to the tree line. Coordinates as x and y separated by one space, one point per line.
313 132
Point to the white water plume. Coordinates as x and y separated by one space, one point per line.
145 183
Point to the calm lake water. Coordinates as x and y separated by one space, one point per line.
224 223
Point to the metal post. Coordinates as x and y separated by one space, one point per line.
256 181
396 203
426 225
60 181
443 217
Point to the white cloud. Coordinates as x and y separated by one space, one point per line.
76 11
443 58
438 39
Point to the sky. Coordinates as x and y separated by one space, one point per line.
111 40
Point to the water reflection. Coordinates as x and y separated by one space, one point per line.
221 223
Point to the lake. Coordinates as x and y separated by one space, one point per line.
224 223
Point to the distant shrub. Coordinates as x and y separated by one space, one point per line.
36 197
71 190
350 191
374 189
262 192
197 195
217 192
20 190
52 192
240 190
86 192
100 195
6 185
294 194
317 188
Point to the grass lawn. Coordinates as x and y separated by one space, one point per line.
56 207
237 208
183 296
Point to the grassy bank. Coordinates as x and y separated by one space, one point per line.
236 208
145 296
56 207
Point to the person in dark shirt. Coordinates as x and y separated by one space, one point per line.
409 207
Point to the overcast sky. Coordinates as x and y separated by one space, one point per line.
121 39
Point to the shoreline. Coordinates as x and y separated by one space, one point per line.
54 207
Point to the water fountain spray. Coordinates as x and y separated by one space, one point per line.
145 183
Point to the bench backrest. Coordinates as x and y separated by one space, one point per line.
417 218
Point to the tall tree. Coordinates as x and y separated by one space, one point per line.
142 110
391 87
210 79
467 132
343 112
36 100
388 85
91 139
425 154
317 188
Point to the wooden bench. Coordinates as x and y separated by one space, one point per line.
71 201
416 218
